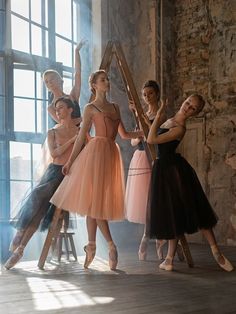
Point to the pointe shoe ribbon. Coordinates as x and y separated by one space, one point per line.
113 257
90 251
142 252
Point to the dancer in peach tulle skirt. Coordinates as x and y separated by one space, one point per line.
94 182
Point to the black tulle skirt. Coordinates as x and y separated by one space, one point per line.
177 202
35 208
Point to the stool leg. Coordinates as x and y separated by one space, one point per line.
186 251
48 241
73 247
67 247
59 248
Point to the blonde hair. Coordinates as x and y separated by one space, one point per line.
93 78
53 72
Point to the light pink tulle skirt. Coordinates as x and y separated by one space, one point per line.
137 187
95 184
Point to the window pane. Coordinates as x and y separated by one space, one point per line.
38 159
24 83
39 116
36 40
75 22
24 115
20 34
63 11
20 166
67 86
63 52
2 160
2 120
36 9
45 44
3 193
18 191
46 13
2 77
20 7
39 86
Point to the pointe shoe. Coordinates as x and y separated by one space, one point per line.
226 265
159 249
179 251
166 265
16 241
113 257
16 256
90 250
142 252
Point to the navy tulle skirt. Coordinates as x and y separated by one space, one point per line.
177 202
35 208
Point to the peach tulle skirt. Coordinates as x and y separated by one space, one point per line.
137 187
95 184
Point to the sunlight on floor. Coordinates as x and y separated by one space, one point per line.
51 294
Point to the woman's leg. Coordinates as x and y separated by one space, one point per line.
221 260
113 255
142 252
168 262
19 251
90 248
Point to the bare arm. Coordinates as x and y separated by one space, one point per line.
80 140
58 151
127 135
52 112
75 92
174 133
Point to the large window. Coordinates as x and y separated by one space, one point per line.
38 35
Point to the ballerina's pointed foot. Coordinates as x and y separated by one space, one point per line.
142 252
166 265
90 250
113 257
15 257
159 249
223 262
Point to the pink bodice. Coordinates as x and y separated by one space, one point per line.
106 124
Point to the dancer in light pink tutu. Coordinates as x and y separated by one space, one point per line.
139 175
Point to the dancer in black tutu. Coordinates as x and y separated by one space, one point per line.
35 210
178 204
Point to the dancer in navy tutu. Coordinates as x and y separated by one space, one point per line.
178 204
35 209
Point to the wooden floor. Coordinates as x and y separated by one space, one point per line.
137 287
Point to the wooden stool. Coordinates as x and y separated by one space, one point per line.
66 237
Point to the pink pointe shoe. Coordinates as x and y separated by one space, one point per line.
113 257
166 265
90 250
221 260
142 252
15 257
